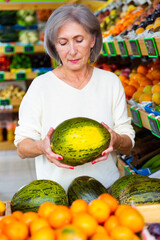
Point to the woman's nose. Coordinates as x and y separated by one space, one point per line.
72 49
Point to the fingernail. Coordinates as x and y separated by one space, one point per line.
93 162
60 158
71 167
104 153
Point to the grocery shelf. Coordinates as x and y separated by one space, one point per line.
5 146
13 76
20 48
143 116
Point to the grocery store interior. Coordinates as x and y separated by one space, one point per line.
131 49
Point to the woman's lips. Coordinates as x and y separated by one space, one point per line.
74 61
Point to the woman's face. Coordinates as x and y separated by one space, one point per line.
74 45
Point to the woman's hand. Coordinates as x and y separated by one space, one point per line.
106 152
50 155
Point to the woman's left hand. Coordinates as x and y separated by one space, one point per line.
106 152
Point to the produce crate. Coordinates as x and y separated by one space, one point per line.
8 209
150 212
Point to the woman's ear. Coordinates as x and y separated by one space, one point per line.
93 41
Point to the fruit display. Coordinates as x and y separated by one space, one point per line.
101 218
79 140
12 92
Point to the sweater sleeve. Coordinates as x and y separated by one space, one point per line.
29 124
122 123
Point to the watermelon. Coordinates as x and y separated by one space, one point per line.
79 140
86 188
32 195
120 183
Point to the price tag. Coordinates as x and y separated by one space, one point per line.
123 48
136 52
151 47
154 125
104 49
9 49
28 48
112 49
2 76
20 76
136 117
5 102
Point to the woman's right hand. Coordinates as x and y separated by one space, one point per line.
50 155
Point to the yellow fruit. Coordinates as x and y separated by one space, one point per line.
148 89
139 30
145 97
137 95
2 208
156 88
156 98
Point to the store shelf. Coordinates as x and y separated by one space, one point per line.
143 116
20 48
5 146
13 76
141 43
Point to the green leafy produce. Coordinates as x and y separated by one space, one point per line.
20 61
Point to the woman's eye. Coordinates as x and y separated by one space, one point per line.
79 40
62 43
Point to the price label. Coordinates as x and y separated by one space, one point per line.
136 117
112 49
104 49
136 52
20 76
123 48
2 78
9 49
151 47
154 126
5 102
28 48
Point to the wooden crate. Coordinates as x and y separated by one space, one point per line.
8 209
150 212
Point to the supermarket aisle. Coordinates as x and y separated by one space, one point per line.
14 173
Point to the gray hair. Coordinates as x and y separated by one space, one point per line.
78 13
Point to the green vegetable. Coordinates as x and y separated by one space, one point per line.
31 196
79 140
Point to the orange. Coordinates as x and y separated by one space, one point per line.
140 89
70 232
120 209
129 90
37 224
45 209
136 237
149 76
142 69
139 30
28 217
99 209
145 97
101 229
156 98
156 88
45 233
6 220
124 84
122 233
155 74
111 223
16 230
155 82
145 83
100 236
131 218
137 95
86 223
139 77
122 77
3 237
134 84
79 205
110 200
17 214
149 26
60 217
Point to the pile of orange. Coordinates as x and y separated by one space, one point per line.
102 218
144 75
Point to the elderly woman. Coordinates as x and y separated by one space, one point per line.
74 89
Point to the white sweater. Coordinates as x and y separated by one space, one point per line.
49 101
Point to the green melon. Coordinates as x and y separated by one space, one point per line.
31 196
79 140
86 188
